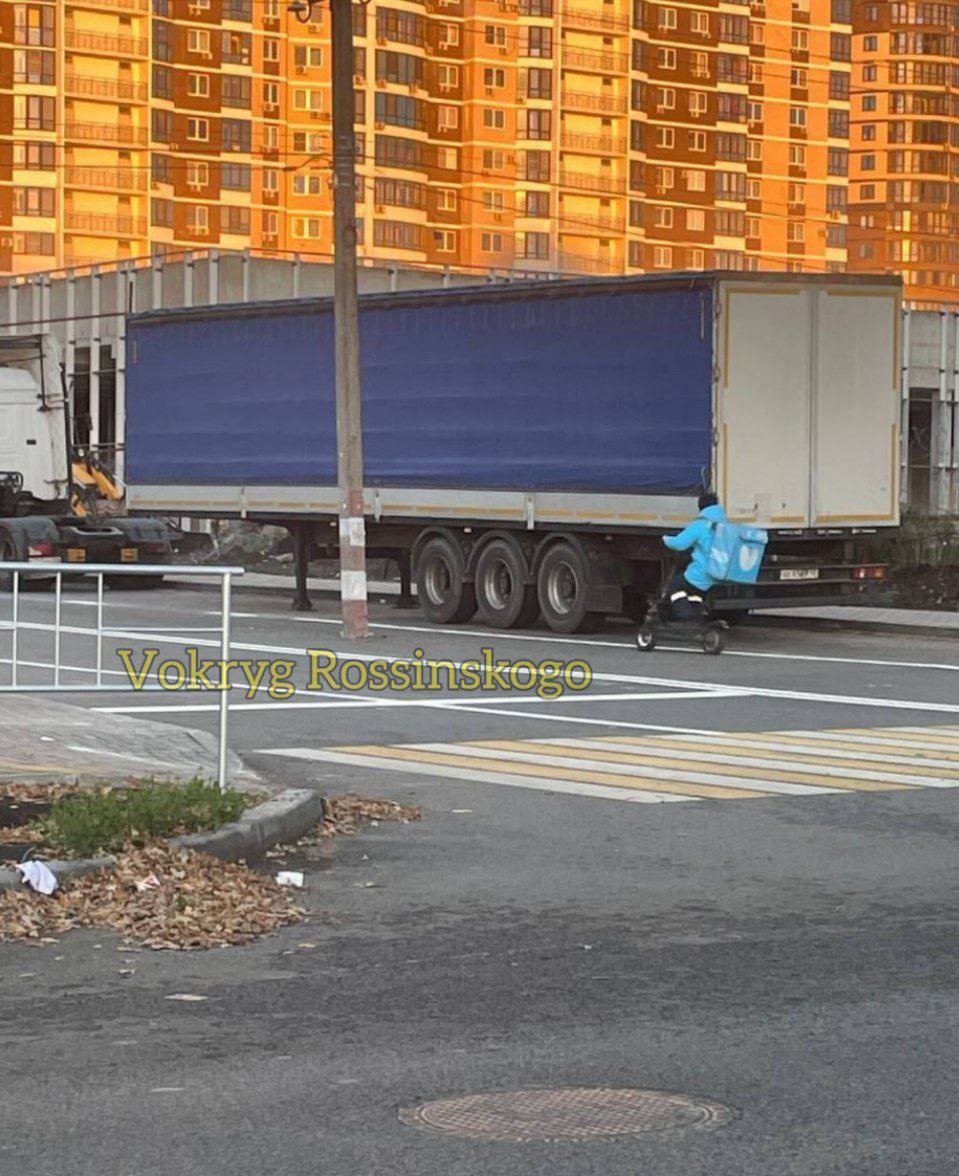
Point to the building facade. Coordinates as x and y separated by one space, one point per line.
588 136
904 203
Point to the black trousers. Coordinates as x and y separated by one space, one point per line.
686 601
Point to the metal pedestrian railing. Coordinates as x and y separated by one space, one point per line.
12 577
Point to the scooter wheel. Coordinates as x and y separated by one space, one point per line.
714 640
645 639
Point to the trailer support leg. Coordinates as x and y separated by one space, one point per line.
302 534
405 598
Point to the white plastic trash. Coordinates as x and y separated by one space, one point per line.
290 878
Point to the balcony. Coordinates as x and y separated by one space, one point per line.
577 263
106 224
586 182
589 18
593 103
593 144
109 89
106 134
602 226
86 42
125 6
105 179
594 61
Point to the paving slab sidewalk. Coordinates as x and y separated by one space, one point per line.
44 739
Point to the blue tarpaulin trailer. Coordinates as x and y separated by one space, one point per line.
586 412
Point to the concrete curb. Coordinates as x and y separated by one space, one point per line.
831 624
286 817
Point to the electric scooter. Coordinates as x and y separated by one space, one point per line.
658 626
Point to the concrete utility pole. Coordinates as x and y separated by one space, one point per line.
349 415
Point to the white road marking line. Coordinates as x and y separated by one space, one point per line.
629 771
754 761
537 784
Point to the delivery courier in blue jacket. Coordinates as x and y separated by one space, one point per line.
689 587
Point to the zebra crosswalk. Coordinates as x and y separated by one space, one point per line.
680 766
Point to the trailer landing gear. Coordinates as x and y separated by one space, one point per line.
302 536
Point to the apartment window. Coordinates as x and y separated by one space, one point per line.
34 24
796 232
869 102
664 178
666 18
869 73
797 116
308 100
162 125
33 113
236 91
494 78
236 48
838 162
698 64
836 198
403 68
734 29
867 192
35 156
392 151
697 259
494 160
699 23
162 41
446 200
797 155
271 137
162 81
494 119
236 177
307 185
665 137
40 244
840 47
495 35
635 254
636 136
536 83
730 186
534 203
36 66
534 124
198 219
309 227
198 85
695 180
271 49
800 40
695 220
236 134
447 118
534 246
197 174
868 163
663 218
399 110
731 147
799 79
308 56
493 201
838 85
666 58
234 220
665 98
271 95
491 242
34 202
198 42
697 103
754 150
870 44
839 124
161 213
160 170
448 77
637 95
445 240
730 222
400 193
535 166
538 42
197 129
734 108
449 36
663 257
238 10
796 194
868 132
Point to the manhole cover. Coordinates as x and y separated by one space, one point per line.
520 1116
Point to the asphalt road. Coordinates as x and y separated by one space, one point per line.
732 877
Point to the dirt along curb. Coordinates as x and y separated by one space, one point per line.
286 817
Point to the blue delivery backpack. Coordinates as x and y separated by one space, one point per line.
736 553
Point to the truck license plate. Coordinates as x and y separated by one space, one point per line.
129 555
76 555
799 574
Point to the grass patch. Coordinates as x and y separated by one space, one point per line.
105 821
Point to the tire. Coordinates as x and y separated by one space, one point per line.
645 640
8 554
562 586
445 595
505 599
714 640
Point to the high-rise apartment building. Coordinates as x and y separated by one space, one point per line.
596 136
904 200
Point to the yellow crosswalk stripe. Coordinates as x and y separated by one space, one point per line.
880 741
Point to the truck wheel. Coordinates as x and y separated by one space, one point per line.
445 595
8 554
563 589
505 600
